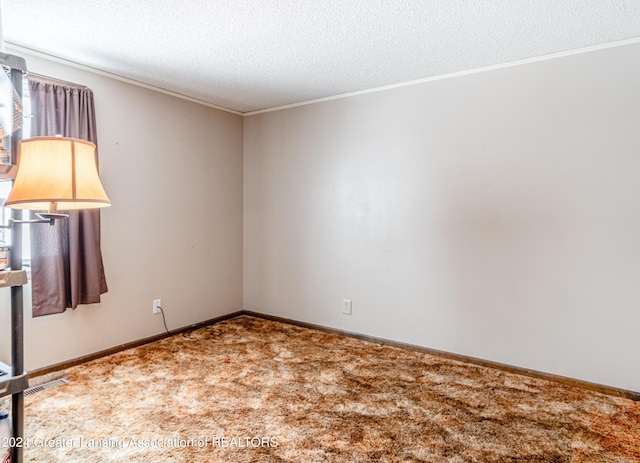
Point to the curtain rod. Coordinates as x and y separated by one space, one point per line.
53 80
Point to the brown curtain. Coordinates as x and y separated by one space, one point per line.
66 261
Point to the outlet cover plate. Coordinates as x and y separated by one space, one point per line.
346 306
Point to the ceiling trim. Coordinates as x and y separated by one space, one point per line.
562 54
452 75
39 54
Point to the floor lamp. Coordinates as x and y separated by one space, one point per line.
53 174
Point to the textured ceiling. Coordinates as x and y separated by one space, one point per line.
248 55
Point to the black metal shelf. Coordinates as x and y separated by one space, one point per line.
7 171
15 380
10 278
10 384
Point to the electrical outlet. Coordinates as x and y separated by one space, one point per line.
157 304
346 306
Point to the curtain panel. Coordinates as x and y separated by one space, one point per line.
66 260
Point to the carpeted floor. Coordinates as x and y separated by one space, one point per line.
250 390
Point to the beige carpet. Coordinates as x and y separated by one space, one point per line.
251 390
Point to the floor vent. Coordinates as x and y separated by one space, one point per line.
49 385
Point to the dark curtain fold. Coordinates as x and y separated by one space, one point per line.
66 261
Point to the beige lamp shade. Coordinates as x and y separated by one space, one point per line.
57 173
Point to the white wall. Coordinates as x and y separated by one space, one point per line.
495 215
173 171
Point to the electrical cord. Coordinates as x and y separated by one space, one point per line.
164 321
212 331
208 332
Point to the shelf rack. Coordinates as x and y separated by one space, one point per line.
15 379
10 382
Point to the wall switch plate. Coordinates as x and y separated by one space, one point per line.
157 304
346 306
